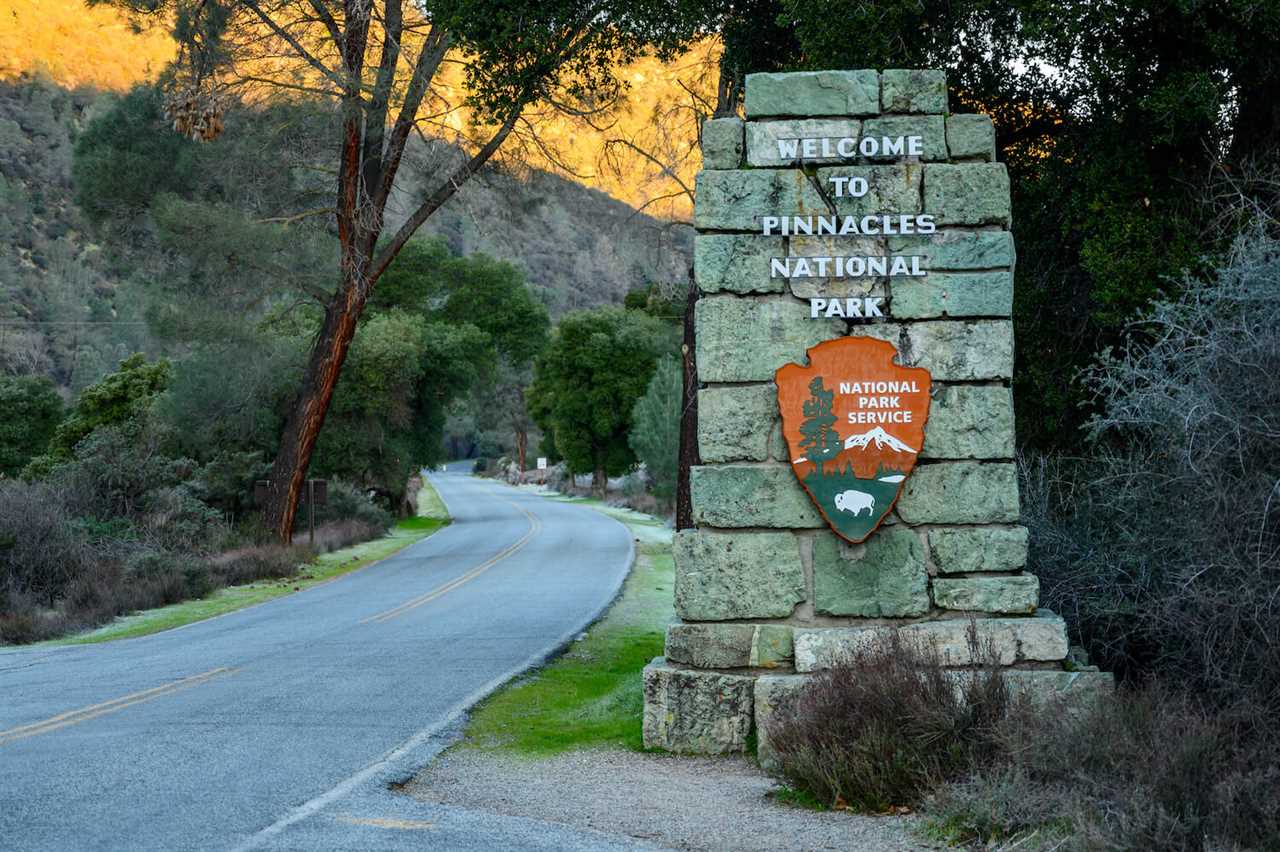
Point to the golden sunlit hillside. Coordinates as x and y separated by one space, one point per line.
78 46
645 153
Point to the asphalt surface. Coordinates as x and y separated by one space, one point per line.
284 726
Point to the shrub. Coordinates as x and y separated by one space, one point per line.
41 550
1143 769
887 726
1163 547
346 502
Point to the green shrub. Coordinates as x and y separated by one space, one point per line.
32 410
346 502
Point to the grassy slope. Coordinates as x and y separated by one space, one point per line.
431 517
592 695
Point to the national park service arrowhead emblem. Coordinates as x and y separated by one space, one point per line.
854 424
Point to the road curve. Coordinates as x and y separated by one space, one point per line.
228 733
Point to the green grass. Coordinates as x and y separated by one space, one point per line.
792 797
329 566
592 695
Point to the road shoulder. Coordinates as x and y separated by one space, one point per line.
325 568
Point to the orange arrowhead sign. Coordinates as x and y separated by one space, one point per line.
854 424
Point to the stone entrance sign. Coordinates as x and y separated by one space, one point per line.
854 423
850 230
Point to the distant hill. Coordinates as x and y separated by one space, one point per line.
578 246
69 312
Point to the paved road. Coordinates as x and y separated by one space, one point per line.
280 726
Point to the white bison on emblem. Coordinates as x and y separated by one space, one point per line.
855 501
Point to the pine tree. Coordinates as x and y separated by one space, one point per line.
821 441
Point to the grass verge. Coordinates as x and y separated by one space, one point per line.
329 566
592 695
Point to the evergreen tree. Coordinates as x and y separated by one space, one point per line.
821 441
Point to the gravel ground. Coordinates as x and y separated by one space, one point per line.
676 802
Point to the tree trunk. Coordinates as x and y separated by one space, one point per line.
688 413
298 441
599 483
522 445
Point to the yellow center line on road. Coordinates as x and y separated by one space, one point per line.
413 603
84 714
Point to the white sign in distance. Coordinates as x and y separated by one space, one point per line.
542 462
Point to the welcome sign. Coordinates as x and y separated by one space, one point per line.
854 424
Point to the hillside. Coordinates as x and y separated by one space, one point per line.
68 307
74 45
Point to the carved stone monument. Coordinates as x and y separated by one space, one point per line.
855 349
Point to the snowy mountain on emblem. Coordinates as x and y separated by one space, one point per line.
879 438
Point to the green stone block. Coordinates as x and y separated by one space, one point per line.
748 339
728 575
890 189
959 250
1009 595
884 578
964 550
813 93
722 143
953 294
758 495
696 712
971 137
969 422
772 645
763 139
711 646
829 246
967 194
951 350
776 702
930 128
923 90
734 200
960 493
738 423
736 263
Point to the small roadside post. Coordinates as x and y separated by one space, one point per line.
317 493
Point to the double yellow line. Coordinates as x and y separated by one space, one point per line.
84 714
413 603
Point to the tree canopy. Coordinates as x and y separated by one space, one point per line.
586 384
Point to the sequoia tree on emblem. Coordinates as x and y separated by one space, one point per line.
854 424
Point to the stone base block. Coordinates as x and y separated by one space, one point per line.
775 698
728 646
695 712
1042 638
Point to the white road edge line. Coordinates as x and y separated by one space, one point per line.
387 761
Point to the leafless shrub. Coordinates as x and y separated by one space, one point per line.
1146 769
1163 547
887 726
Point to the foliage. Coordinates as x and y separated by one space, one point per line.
118 398
889 725
126 157
655 428
32 410
1148 769
491 295
1111 117
586 384
1162 547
